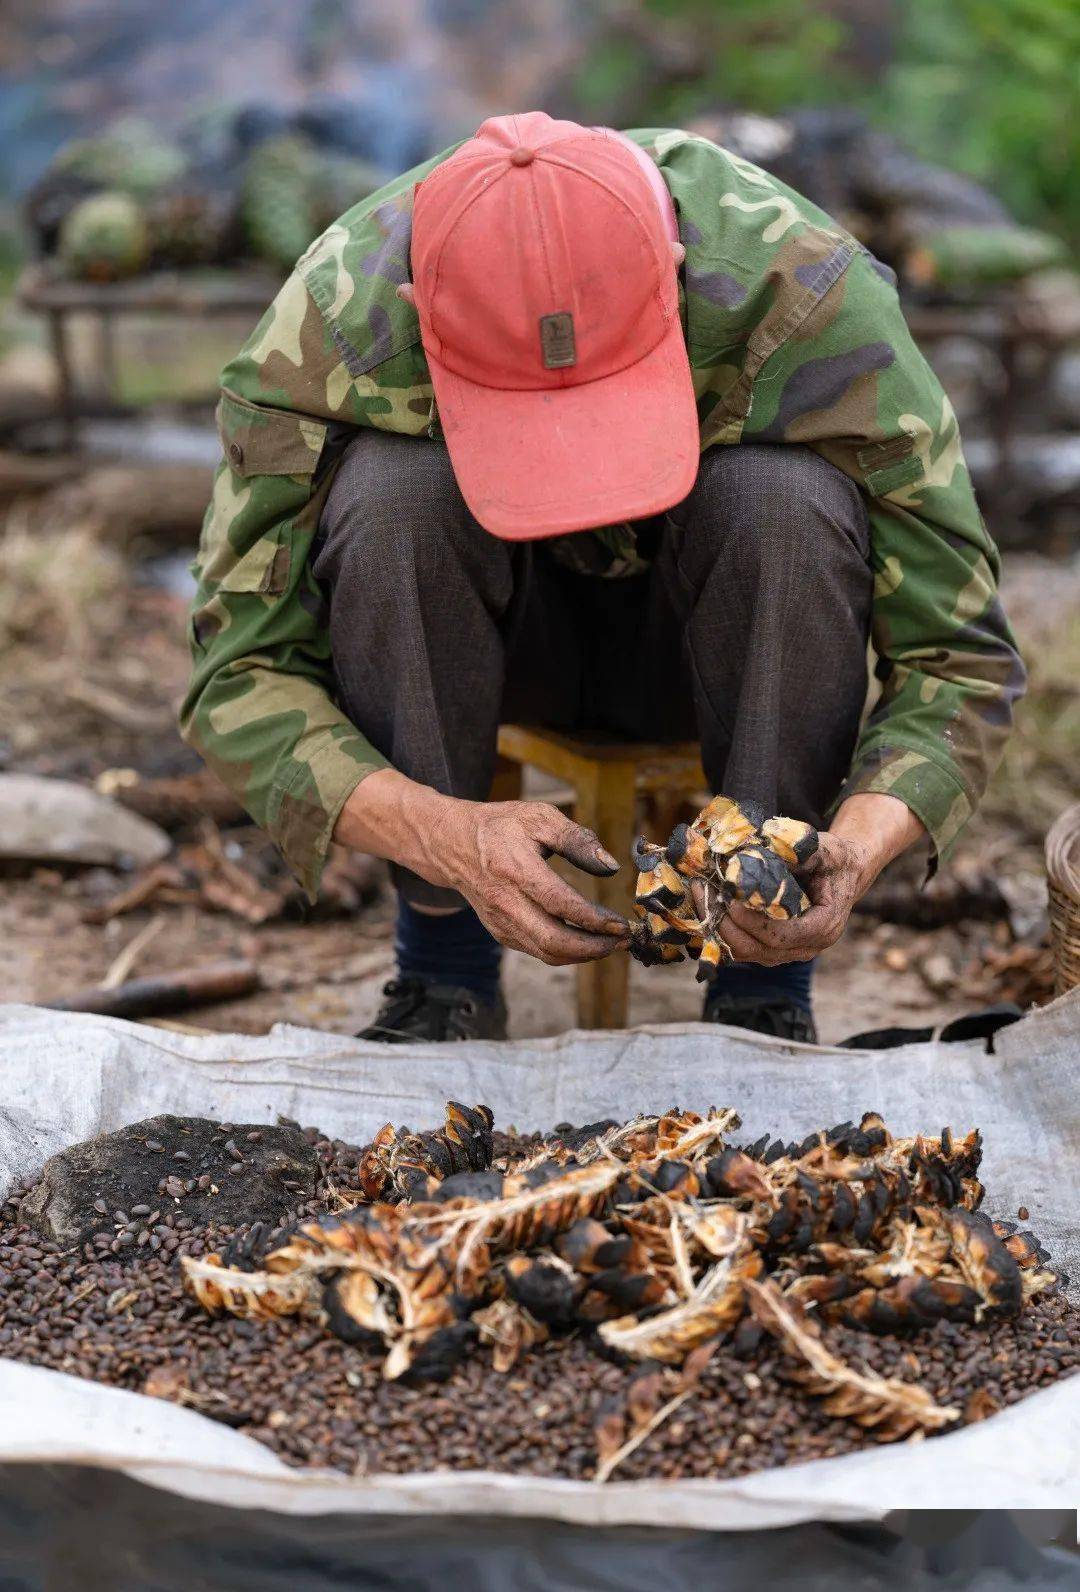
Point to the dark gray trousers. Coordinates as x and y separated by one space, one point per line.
749 630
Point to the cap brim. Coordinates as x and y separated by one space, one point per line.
542 463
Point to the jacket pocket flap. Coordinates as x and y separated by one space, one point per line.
257 441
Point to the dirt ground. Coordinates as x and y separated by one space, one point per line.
329 975
94 666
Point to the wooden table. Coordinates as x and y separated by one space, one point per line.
191 294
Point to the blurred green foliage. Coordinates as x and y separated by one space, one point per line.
762 55
992 88
988 87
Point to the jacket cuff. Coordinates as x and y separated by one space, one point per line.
936 795
307 808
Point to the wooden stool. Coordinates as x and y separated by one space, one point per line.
607 777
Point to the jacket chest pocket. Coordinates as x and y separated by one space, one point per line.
271 459
259 441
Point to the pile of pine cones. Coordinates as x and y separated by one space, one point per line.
731 852
657 1235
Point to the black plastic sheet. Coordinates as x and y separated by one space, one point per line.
65 1528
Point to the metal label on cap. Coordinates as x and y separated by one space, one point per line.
557 340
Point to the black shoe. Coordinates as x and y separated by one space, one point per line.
781 1018
414 1010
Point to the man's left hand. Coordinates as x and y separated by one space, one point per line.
869 830
833 880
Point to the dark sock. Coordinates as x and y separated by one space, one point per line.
791 982
448 948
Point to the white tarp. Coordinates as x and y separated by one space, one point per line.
65 1077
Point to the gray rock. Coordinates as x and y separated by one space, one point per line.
158 1165
57 820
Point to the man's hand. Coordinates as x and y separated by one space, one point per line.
868 832
833 879
494 854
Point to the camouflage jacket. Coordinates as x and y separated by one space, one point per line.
794 334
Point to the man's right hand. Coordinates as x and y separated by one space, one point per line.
494 854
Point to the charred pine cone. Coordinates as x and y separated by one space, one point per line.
659 1236
398 1163
593 1275
889 1408
371 1275
731 852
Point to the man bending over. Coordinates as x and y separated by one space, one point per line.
606 432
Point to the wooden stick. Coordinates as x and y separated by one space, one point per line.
176 800
147 886
124 964
168 992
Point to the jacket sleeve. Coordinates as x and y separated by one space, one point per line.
850 383
259 707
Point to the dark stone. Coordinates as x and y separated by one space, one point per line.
122 1171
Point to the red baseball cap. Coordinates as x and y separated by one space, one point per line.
547 292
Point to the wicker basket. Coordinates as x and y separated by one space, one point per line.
1063 883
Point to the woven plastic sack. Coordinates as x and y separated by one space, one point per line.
73 1076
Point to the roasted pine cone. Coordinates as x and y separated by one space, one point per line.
659 1238
736 854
